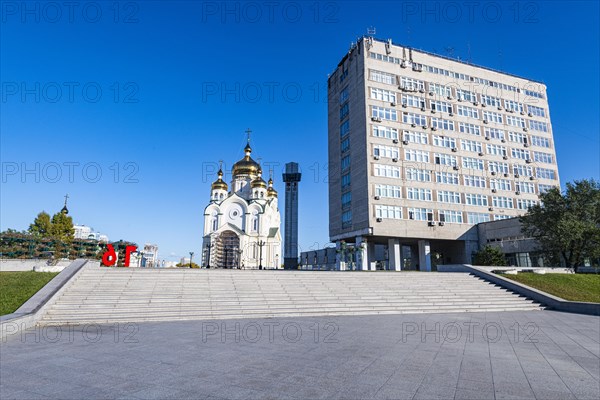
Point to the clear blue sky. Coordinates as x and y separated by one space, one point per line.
181 81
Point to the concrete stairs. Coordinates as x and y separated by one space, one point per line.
107 295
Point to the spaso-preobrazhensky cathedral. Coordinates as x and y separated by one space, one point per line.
242 221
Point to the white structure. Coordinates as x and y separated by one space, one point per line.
422 148
242 226
150 256
87 233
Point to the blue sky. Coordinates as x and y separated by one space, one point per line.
152 94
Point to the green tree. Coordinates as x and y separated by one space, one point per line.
567 224
41 226
62 227
489 256
187 265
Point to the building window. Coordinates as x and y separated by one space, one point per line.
513 105
420 175
443 124
515 121
444 141
383 95
344 94
441 106
448 178
445 159
345 162
474 181
344 110
416 155
420 214
466 111
540 141
345 128
346 180
472 163
517 137
543 157
418 194
384 113
525 187
386 151
469 128
524 204
536 111
414 119
385 132
440 90
388 212
477 218
520 154
495 150
490 101
501 184
498 167
346 219
387 171
345 145
471 145
472 199
466 95
413 101
411 84
388 191
502 202
382 77
538 126
524 170
346 199
445 196
415 137
545 173
451 217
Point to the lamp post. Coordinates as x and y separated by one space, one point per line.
208 246
260 246
191 255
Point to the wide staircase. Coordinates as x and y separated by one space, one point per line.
107 295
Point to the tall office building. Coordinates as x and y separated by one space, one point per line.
291 177
423 147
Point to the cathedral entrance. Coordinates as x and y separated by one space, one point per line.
228 250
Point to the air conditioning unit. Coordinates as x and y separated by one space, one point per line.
480 154
487 138
424 126
455 168
483 105
451 114
431 223
506 175
375 119
491 209
530 115
449 98
421 90
454 149
422 108
434 128
528 161
511 111
403 64
433 111
517 175
395 141
531 178
525 129
442 223
393 104
525 144
379 219
460 99
404 105
405 142
494 173
475 103
505 157
499 108
377 197
394 159
494 190
413 125
485 121
431 93
376 157
522 112
517 193
503 140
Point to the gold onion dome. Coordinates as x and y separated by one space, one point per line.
246 166
271 191
219 183
259 182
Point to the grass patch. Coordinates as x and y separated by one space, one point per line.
17 287
573 287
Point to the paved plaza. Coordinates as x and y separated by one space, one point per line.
502 355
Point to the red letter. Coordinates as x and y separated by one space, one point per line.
128 251
110 257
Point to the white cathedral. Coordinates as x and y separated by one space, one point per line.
242 225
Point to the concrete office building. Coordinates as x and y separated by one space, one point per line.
422 148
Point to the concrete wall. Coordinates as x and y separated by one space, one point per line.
29 265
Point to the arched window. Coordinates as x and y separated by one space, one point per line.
222 195
215 224
262 194
255 224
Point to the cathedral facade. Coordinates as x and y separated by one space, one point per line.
242 220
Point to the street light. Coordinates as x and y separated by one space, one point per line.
260 245
191 255
208 246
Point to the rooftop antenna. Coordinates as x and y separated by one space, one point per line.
371 31
469 52
449 51
408 34
500 59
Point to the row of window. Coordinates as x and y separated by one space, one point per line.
422 156
428 214
381 113
447 196
416 173
423 137
529 90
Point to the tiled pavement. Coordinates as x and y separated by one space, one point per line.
503 355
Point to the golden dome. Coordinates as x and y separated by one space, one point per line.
259 182
246 166
219 184
271 192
